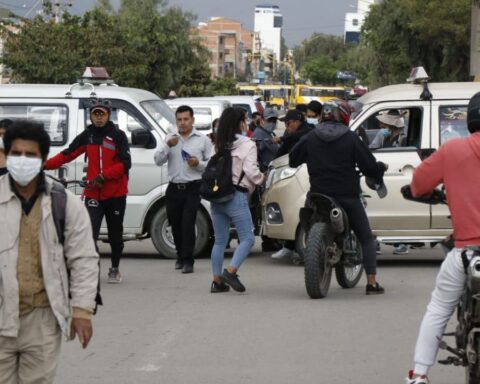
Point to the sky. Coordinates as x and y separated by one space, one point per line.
301 18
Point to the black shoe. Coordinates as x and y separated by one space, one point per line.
178 265
187 268
232 280
219 287
376 289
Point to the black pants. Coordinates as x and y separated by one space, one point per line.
113 210
183 201
357 217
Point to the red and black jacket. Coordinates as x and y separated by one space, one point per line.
107 154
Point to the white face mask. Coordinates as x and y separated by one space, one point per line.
23 169
2 146
312 120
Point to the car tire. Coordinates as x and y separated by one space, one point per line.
162 237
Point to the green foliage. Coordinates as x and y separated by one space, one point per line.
145 45
223 86
401 34
321 70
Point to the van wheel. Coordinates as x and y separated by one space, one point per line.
162 236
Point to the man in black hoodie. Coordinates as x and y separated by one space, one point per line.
332 153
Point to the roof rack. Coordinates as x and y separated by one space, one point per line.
92 76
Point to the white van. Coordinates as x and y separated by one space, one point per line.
433 114
205 110
145 119
250 103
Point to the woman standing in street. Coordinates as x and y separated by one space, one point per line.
231 133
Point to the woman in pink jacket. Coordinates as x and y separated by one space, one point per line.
231 134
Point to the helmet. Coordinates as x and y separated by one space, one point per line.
100 104
337 111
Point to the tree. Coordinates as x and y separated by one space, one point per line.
401 34
321 70
319 45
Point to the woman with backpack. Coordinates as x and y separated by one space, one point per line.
231 135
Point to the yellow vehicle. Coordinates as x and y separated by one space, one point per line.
276 95
328 93
248 89
303 94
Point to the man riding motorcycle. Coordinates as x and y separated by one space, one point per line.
456 164
332 153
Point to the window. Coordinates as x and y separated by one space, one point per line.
453 122
277 22
355 22
409 136
53 117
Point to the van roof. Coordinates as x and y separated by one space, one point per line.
60 90
196 101
403 92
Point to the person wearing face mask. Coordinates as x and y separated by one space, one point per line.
263 136
314 112
295 128
45 282
108 163
391 130
257 121
4 124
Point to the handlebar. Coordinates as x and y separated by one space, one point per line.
65 182
436 197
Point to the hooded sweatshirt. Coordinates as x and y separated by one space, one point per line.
244 158
332 153
456 164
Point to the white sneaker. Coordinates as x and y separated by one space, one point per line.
417 380
400 249
283 253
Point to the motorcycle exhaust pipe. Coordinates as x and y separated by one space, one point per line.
474 272
336 219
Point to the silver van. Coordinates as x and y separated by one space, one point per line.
145 119
205 109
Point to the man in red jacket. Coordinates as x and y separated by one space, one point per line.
108 162
457 165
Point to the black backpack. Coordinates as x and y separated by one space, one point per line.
59 208
217 185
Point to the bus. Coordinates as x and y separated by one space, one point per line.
276 95
324 93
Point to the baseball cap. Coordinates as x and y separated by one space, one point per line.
378 186
292 114
270 113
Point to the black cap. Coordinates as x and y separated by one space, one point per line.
292 114
315 106
473 113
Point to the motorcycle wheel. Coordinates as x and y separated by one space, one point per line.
348 276
473 370
318 271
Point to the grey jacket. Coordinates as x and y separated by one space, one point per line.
78 253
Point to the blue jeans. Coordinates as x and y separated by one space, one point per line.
238 212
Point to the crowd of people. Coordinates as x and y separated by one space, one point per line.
48 279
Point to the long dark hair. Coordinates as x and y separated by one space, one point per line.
228 127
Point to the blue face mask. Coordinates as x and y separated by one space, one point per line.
386 132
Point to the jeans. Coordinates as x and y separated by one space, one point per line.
238 212
449 288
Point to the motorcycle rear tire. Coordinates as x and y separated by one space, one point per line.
348 276
318 271
473 370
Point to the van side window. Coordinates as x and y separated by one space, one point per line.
453 122
409 136
123 119
53 117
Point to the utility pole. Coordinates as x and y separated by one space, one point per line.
475 41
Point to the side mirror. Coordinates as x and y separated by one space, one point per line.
143 138
425 152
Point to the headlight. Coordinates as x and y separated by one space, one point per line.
282 173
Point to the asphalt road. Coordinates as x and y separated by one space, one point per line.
160 326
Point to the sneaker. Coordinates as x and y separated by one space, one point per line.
219 287
114 276
282 253
178 264
232 280
417 380
400 249
376 289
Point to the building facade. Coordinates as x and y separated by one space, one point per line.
229 44
268 24
354 21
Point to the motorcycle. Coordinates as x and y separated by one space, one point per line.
467 332
331 244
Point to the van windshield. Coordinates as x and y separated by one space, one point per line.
160 112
